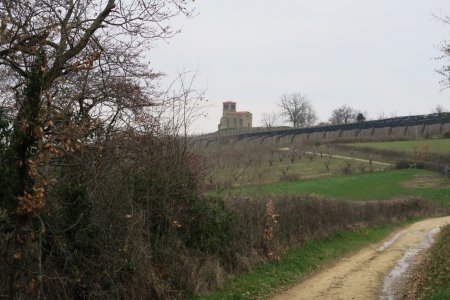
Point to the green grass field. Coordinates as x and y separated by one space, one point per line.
441 146
366 186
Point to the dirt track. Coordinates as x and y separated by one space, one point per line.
373 272
351 158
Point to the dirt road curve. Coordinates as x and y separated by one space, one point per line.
373 272
351 158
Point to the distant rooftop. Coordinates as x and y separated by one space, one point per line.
229 102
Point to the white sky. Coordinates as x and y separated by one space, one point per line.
376 56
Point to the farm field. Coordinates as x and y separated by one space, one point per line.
268 164
365 186
440 146
302 169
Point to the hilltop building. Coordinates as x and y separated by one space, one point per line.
232 119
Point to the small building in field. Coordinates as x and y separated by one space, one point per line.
232 119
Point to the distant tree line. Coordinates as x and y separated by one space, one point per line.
298 111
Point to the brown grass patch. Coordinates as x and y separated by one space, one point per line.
424 181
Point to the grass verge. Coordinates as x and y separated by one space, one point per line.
268 278
362 187
434 280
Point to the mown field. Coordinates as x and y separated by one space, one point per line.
440 146
363 187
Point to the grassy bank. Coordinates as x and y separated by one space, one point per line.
362 187
268 278
441 146
433 282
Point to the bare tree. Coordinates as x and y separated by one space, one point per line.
342 115
71 70
384 115
327 161
269 119
298 110
73 63
445 49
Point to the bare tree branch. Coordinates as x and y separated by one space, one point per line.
297 110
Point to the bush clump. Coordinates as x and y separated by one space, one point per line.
413 164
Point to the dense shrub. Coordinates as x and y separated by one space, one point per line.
126 219
290 177
407 164
303 218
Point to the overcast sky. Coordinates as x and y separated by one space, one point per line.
376 56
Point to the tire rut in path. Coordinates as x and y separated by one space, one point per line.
362 275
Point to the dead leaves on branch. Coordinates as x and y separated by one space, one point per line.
30 203
52 143
87 63
267 236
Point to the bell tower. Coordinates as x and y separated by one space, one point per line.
228 107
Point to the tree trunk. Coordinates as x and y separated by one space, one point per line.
24 249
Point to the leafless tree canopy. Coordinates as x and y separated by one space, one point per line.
297 110
445 49
90 53
269 120
72 67
343 115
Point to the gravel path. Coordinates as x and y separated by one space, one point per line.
373 272
351 158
